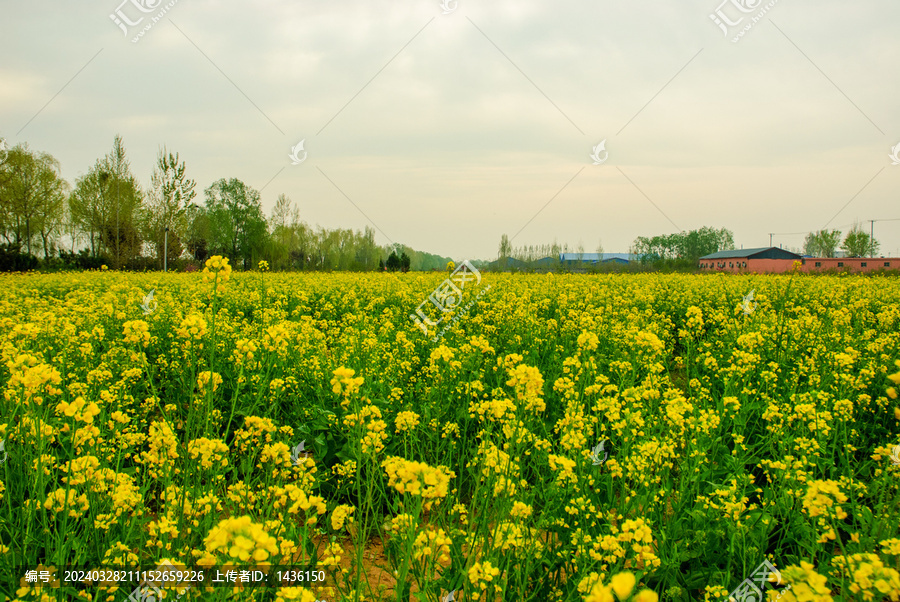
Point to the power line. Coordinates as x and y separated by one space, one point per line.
895 219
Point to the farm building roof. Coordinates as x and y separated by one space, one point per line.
758 253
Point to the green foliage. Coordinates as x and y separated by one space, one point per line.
859 244
823 243
32 198
689 246
106 204
165 206
393 262
237 226
13 260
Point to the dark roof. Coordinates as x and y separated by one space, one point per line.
757 253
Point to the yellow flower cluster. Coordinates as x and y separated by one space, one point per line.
244 352
406 421
344 472
294 594
593 589
204 378
257 431
868 575
564 469
695 320
806 584
895 378
498 467
375 429
62 499
587 341
212 452
160 459
433 543
78 409
218 271
34 377
276 339
492 409
193 327
401 524
293 499
822 501
137 332
481 575
529 386
637 533
344 383
510 535
331 555
520 510
340 516
241 540
418 478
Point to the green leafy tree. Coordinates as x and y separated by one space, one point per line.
197 241
858 243
237 226
504 252
393 262
167 200
32 198
282 233
106 205
823 243
686 246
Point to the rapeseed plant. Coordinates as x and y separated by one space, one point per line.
131 438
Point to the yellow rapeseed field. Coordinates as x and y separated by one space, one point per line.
577 438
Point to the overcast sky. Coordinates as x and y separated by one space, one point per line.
445 131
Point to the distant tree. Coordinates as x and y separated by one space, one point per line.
197 240
107 203
393 262
504 252
13 260
823 243
580 251
686 246
858 243
366 250
87 207
282 233
32 198
404 262
237 226
165 206
555 251
381 265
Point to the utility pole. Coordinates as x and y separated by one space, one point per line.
770 238
871 238
166 252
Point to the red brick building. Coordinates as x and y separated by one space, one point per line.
775 260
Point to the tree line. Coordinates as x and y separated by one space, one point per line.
857 243
115 221
679 251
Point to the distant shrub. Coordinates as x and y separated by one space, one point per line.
13 260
